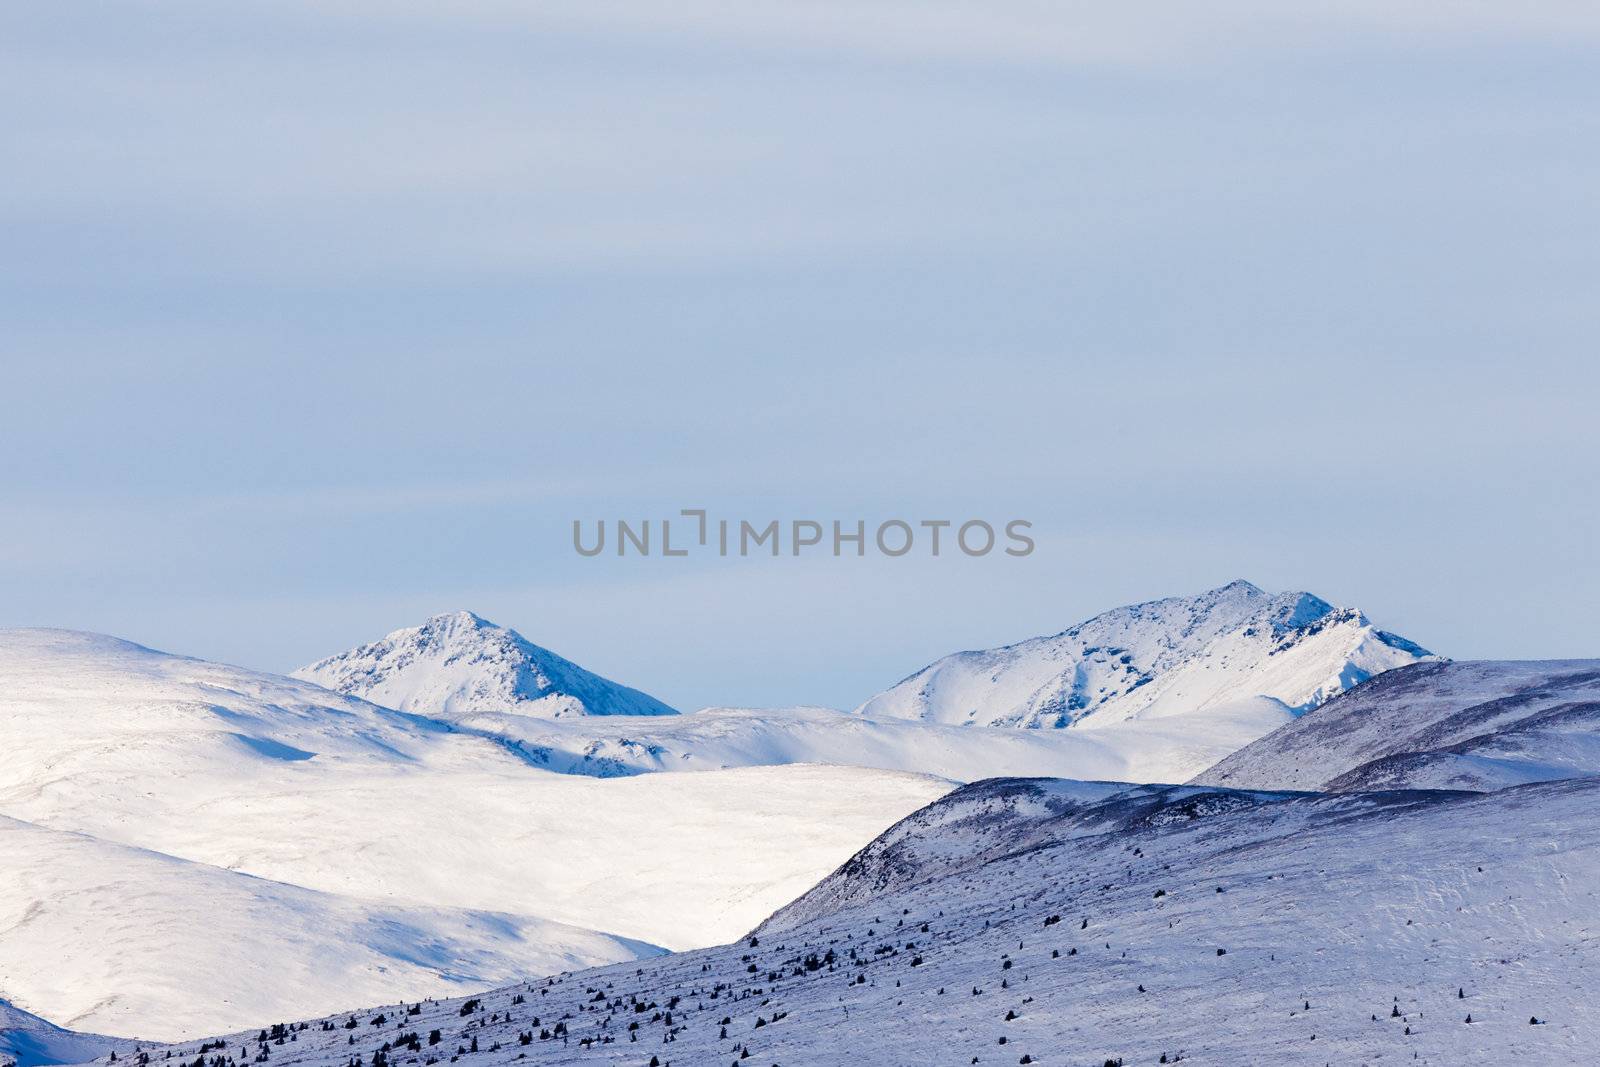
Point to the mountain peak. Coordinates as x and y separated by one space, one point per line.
461 620
459 663
1240 585
463 617
1180 655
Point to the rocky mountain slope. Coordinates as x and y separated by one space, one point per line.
1473 725
1229 647
458 664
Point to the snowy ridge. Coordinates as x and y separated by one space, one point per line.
458 663
962 831
1164 658
27 1040
1194 925
1472 725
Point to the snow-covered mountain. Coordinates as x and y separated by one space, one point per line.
1155 692
188 847
1470 725
458 663
1234 647
1062 923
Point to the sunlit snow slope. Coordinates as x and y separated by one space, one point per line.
106 936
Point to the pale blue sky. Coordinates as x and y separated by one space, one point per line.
317 319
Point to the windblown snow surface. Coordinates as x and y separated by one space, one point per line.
1024 921
190 847
1168 658
1472 725
458 663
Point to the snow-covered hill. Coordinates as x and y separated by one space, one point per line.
981 823
1470 725
458 663
117 938
421 854
1064 924
27 1040
1229 647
